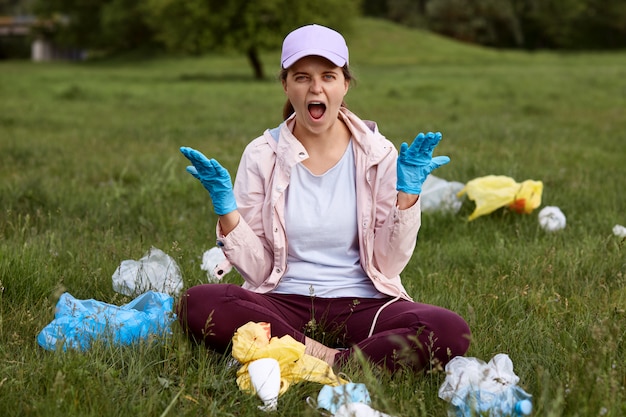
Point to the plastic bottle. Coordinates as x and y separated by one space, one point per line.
523 408
512 402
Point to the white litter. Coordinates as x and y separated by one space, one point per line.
473 387
619 230
156 271
358 410
551 219
215 264
265 378
439 195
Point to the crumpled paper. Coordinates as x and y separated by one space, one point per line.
474 387
495 191
253 341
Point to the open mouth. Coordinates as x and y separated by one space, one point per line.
316 110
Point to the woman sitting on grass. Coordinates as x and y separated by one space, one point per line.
322 220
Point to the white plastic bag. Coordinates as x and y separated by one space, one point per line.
439 195
156 271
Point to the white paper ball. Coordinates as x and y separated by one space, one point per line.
551 219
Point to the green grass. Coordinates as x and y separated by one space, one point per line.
91 175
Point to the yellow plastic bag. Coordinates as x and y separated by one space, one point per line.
495 191
252 341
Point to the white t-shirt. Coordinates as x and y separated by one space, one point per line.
321 224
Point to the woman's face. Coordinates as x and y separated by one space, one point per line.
316 88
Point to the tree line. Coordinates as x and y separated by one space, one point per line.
189 26
524 24
249 27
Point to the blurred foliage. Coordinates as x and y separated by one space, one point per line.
15 7
190 27
528 24
196 26
107 26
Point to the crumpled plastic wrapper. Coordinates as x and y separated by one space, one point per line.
156 271
473 387
495 191
332 398
253 341
78 323
439 195
358 410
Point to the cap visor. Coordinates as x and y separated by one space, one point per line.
331 56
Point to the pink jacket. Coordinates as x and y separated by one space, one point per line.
257 246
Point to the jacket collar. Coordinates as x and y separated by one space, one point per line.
364 132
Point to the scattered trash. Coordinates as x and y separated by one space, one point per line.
265 378
346 400
358 410
439 195
619 230
77 323
253 341
215 264
156 271
473 388
551 219
495 191
332 398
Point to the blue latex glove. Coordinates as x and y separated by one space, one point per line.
215 179
415 162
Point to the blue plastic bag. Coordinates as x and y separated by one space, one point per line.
77 323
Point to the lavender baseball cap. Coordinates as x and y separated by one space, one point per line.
314 40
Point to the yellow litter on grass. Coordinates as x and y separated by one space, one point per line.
252 341
495 191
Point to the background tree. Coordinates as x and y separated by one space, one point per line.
249 27
198 26
104 25
15 7
190 26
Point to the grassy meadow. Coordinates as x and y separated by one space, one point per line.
91 175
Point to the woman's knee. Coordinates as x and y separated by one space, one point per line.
444 333
197 306
454 337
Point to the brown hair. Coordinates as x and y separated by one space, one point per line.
288 109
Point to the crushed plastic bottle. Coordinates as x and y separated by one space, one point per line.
475 388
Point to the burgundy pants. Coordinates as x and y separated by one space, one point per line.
406 333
